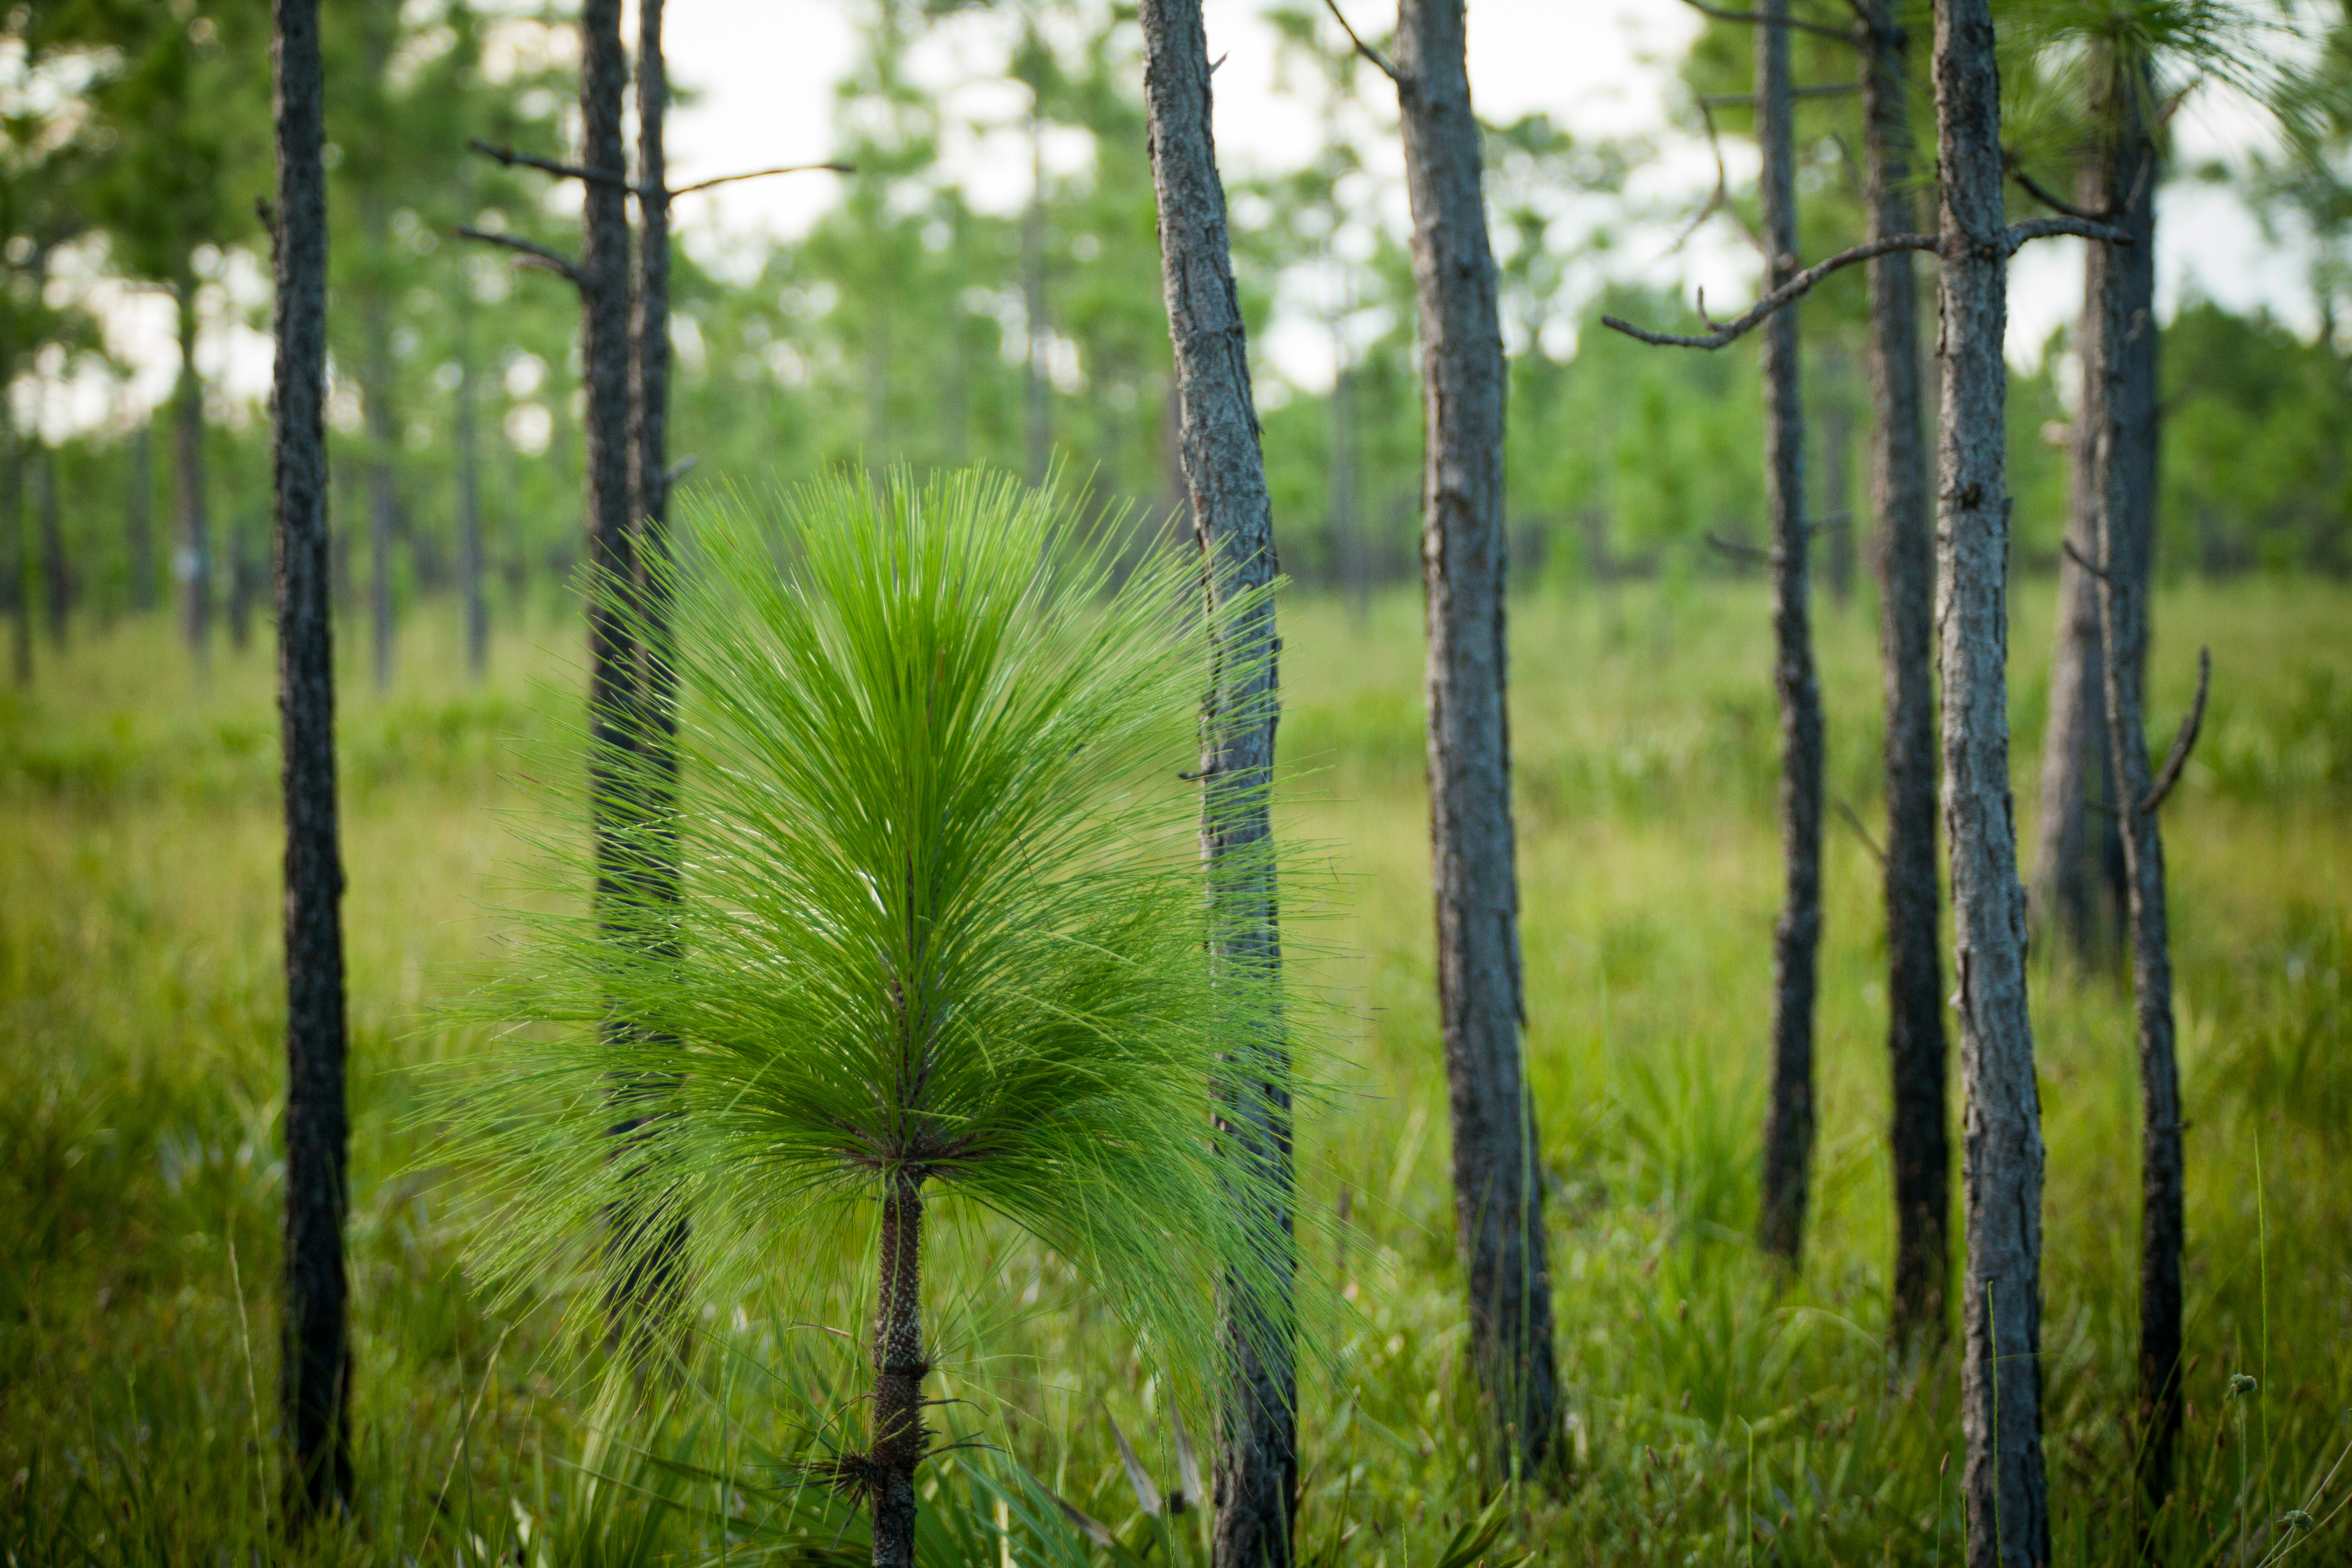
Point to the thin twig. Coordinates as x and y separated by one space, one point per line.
1795 289
762 174
533 253
1379 59
2079 559
1721 15
512 159
2046 228
1739 552
1855 822
2049 198
2184 741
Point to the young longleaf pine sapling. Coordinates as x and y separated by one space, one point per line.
940 933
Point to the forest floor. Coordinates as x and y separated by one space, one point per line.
1719 1413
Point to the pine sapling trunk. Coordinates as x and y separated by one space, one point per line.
138 519
2000 1387
1223 470
57 571
13 596
188 474
315 1400
899 1439
1497 1182
2119 358
1796 939
1898 472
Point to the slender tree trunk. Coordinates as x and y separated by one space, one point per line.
138 519
1796 940
57 571
2001 1390
383 500
242 585
315 1391
1497 1185
470 570
1256 1455
603 281
188 474
13 597
899 1436
1898 479
2119 348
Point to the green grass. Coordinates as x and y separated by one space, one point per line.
1719 1413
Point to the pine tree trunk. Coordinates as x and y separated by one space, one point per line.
315 1390
188 473
2119 352
13 597
1796 940
57 573
1898 478
470 570
1256 1455
603 281
898 1436
650 352
1497 1179
2000 1387
1037 424
138 519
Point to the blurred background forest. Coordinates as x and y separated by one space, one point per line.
1718 1408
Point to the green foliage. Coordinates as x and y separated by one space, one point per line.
940 915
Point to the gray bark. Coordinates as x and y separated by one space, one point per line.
1899 481
1256 1461
1497 1185
1795 687
2119 352
2000 1379
898 1436
315 1391
2077 855
188 476
138 518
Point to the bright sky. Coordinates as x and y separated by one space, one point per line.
764 71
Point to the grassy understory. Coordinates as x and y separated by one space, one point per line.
1719 1413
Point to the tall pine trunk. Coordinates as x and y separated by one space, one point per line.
1796 939
897 1432
2000 1380
315 1391
2119 353
138 518
1224 469
1898 483
2078 856
1497 1179
195 563
13 558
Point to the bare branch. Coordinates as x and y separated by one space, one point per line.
1739 552
533 253
2079 559
1862 833
512 159
1721 15
1788 293
2186 741
2049 198
2019 234
1363 48
760 174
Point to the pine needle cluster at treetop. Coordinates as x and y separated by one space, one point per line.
936 918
